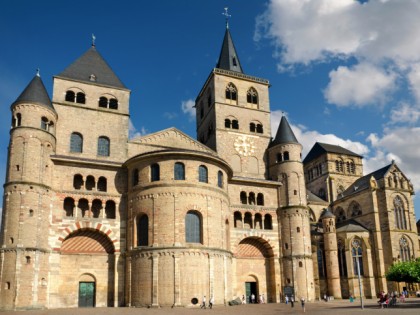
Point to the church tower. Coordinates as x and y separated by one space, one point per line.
284 156
233 114
24 253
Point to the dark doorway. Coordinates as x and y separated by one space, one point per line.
86 294
251 288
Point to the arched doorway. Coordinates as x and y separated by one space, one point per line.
255 269
87 291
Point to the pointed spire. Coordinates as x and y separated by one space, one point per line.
228 59
91 67
35 92
284 133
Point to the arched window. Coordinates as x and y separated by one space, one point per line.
252 127
69 207
279 158
268 222
96 208
348 167
342 264
322 268
179 171
405 254
260 199
113 103
77 181
110 209
44 123
237 219
70 96
352 168
227 123
202 174
193 227
340 214
103 146
103 102
355 209
135 177
258 221
286 156
102 184
252 96
80 98
260 128
231 92
83 205
235 124
143 230
248 221
244 199
154 172
251 198
16 120
220 179
399 213
357 254
76 143
90 182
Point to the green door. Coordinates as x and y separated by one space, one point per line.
86 294
250 288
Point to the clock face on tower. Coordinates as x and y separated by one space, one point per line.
244 146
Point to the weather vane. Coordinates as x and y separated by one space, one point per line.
93 40
227 15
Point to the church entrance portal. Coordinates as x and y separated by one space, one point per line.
87 294
251 288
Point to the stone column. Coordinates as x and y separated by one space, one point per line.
155 280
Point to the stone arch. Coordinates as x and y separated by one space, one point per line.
87 241
254 246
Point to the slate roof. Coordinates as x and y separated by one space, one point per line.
35 92
228 59
327 214
350 226
284 134
322 148
91 62
314 198
363 182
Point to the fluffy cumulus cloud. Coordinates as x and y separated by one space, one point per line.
133 132
188 108
360 85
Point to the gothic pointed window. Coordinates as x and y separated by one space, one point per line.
231 92
143 230
203 174
405 254
399 214
252 96
193 227
154 172
322 271
340 214
103 146
342 264
357 254
355 209
179 171
76 143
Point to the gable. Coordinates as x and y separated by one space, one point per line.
168 139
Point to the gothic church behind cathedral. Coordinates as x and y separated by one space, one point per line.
93 218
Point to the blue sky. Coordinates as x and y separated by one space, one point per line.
344 72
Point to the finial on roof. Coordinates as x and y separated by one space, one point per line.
93 40
282 114
37 72
227 15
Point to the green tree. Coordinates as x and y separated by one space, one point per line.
407 271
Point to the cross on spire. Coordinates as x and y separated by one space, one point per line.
93 40
227 15
37 72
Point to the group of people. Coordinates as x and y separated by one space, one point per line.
204 301
261 299
390 299
292 301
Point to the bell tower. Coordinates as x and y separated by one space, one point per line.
233 114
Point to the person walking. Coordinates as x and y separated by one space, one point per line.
211 302
203 304
252 298
302 302
292 301
287 299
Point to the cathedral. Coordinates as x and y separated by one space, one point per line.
94 218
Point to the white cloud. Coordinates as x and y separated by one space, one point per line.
360 85
133 132
188 108
405 113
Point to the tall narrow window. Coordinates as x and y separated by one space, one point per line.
77 181
179 171
69 207
113 103
322 271
76 142
143 230
248 221
90 182
237 219
44 123
342 265
135 177
405 254
260 199
268 223
252 127
244 199
110 209
70 96
103 102
220 179
96 208
154 172
357 254
400 220
355 209
203 174
227 123
193 227
286 156
231 92
252 96
260 128
103 146
251 198
80 98
102 184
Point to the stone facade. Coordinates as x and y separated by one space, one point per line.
93 218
